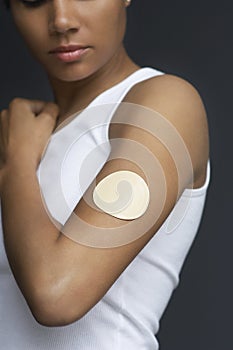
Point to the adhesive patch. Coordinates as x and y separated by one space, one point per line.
123 194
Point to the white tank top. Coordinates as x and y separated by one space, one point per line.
128 315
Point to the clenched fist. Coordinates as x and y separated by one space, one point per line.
25 129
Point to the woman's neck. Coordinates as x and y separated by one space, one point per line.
74 96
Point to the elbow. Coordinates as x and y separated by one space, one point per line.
47 315
51 311
47 318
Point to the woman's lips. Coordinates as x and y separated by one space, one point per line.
70 56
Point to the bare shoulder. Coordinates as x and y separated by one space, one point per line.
181 104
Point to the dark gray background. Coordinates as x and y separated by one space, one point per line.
194 40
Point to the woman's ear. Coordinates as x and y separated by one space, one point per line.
127 2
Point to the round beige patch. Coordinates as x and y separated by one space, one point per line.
122 194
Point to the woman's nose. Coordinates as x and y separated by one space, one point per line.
63 17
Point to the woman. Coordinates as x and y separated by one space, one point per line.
63 284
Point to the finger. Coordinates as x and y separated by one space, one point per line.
4 124
3 134
37 106
3 112
34 106
50 109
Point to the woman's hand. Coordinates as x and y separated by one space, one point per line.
26 127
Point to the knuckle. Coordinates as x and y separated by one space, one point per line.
53 107
47 115
16 101
3 112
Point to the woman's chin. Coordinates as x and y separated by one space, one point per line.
69 73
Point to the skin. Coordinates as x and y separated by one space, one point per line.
49 267
98 24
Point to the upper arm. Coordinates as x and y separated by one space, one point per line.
180 103
91 261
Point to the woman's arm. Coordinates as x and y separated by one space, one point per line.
62 279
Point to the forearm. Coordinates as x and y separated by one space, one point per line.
29 234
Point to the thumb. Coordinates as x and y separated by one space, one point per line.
50 110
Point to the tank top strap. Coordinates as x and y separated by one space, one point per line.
118 91
109 101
